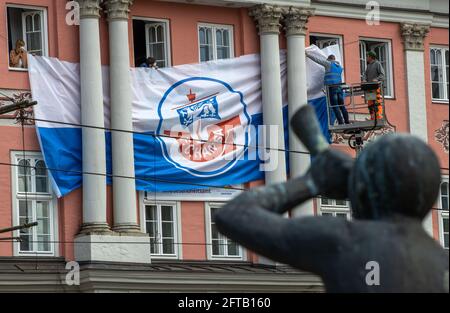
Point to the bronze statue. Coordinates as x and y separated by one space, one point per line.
392 185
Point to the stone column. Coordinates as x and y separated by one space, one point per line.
295 20
268 18
413 41
94 153
124 191
413 38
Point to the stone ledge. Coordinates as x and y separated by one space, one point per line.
112 248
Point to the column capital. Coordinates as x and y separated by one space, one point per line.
414 35
118 9
89 8
267 17
295 20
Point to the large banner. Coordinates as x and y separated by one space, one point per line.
194 125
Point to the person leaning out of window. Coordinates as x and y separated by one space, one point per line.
149 63
18 57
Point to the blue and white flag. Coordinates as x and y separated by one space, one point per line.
195 125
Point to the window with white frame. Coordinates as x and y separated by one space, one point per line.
219 246
151 39
439 62
33 201
383 50
27 34
444 193
325 40
162 227
336 208
215 42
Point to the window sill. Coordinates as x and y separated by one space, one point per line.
36 254
17 69
164 256
226 258
440 101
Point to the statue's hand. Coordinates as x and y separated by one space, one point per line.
330 171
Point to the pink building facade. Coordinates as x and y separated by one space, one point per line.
184 251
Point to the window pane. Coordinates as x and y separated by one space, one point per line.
435 73
444 196
42 209
40 168
436 91
327 214
223 53
167 229
444 189
219 37
41 184
150 212
214 232
25 244
24 167
341 215
152 229
168 246
160 33
209 36
341 202
37 22
167 213
446 241
154 247
202 36
215 247
25 210
43 243
43 227
233 248
29 23
34 41
218 247
226 39
24 183
152 34
445 223
205 53
325 201
438 57
157 51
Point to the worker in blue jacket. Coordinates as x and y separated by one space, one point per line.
333 76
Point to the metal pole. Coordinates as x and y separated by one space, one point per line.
26 225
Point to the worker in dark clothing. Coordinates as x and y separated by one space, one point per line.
374 73
333 76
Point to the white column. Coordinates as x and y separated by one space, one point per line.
94 153
124 191
295 20
413 38
268 19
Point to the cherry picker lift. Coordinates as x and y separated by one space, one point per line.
361 98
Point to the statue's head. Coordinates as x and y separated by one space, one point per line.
397 174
